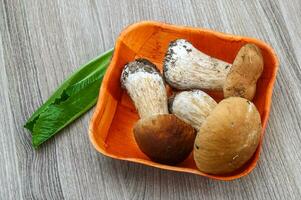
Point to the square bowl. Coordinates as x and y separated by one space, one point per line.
111 127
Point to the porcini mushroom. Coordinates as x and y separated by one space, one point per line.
244 73
164 138
185 67
145 85
161 136
192 106
229 136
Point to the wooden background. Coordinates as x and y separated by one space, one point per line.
43 41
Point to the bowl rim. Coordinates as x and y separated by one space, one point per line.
224 36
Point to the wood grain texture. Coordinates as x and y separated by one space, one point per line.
42 42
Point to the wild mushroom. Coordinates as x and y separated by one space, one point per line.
164 138
145 85
192 107
185 67
161 136
229 136
244 73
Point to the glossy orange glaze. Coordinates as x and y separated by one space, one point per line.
111 127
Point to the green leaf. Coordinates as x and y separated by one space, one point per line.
74 97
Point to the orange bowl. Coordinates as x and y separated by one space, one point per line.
110 129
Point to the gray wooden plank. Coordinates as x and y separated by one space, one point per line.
37 169
44 41
10 180
291 15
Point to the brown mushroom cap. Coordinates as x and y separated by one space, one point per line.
164 138
229 136
244 73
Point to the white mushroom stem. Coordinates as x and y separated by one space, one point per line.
146 88
185 67
193 107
